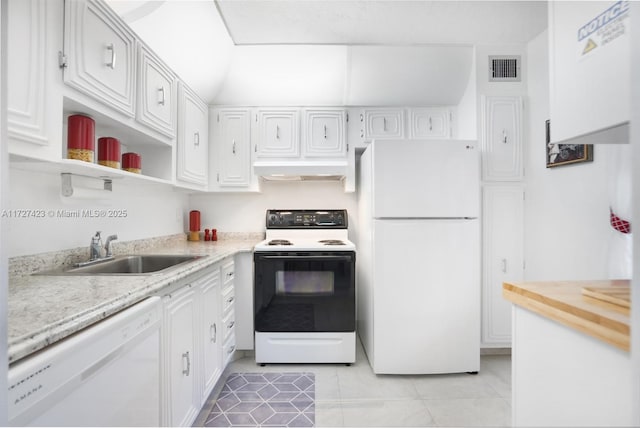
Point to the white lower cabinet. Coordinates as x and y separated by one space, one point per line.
198 341
210 334
503 259
182 401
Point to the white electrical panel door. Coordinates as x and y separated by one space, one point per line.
502 139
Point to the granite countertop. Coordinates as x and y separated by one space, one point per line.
565 302
44 309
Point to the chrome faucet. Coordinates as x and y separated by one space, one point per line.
95 249
107 245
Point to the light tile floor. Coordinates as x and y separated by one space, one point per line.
355 397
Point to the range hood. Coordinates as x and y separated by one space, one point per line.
301 170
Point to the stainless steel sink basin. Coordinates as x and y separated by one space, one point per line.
128 265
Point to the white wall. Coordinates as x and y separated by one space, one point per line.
566 207
151 211
245 212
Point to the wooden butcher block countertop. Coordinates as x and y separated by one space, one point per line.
597 308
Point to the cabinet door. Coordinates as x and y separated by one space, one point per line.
233 147
502 139
157 93
243 285
430 123
324 133
212 332
26 69
277 133
383 123
192 156
182 402
503 217
100 51
590 51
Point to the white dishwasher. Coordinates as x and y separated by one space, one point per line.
105 375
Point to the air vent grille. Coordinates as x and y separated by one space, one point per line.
504 68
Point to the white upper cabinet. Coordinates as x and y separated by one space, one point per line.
232 146
27 47
429 123
382 123
590 78
324 133
100 51
502 138
157 93
277 133
193 138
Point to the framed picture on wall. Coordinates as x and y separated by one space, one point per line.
565 154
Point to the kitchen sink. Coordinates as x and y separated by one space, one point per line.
128 265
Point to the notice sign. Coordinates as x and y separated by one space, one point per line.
603 29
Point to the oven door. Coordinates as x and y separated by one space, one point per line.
304 292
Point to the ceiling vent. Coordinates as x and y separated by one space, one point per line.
504 68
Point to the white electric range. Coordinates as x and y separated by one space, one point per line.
304 288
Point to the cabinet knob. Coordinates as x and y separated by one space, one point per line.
112 63
234 147
504 136
504 265
325 132
196 139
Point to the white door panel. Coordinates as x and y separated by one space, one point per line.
427 296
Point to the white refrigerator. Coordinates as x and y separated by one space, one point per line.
418 270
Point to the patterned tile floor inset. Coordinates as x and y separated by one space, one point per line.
265 400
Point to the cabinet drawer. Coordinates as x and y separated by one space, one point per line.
227 350
229 326
227 301
227 275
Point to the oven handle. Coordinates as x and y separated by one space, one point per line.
298 257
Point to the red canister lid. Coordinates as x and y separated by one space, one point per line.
108 149
194 221
81 132
131 160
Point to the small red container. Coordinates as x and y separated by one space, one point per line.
81 137
194 225
109 152
132 162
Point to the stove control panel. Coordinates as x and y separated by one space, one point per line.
306 219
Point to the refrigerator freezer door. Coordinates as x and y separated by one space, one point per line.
425 179
426 301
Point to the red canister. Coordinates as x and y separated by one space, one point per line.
131 162
81 137
109 152
194 225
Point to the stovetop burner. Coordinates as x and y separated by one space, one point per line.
332 242
279 242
